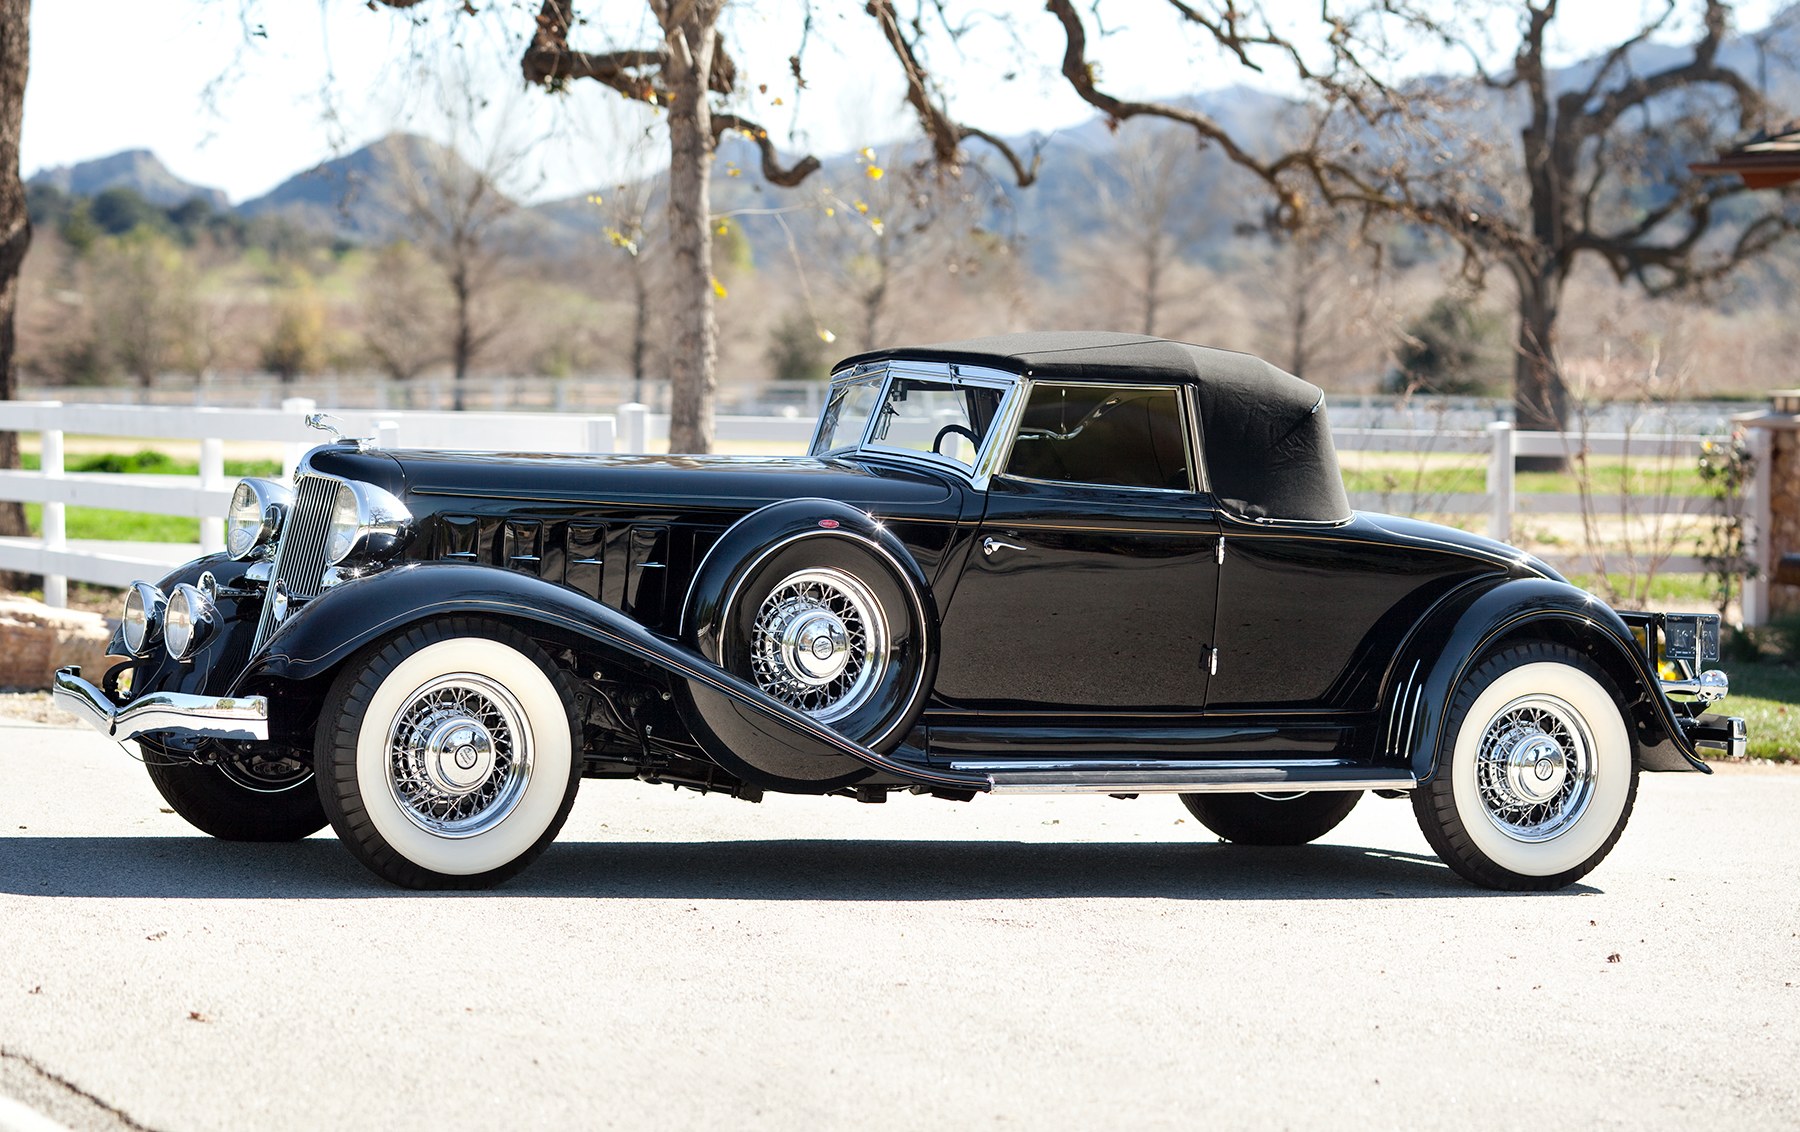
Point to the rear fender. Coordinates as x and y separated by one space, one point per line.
1472 623
325 632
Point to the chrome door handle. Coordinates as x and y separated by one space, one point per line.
989 545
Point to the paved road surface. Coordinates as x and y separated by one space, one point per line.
686 962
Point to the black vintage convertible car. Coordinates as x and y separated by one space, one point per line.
1037 564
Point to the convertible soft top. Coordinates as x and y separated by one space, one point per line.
1268 446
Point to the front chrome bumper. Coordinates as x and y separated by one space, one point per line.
231 717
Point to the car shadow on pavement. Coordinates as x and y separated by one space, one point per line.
793 869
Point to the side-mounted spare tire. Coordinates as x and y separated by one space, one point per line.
820 608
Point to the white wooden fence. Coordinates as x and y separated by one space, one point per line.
634 429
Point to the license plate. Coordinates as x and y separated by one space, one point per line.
1693 637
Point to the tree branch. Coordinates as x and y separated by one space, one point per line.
944 134
787 176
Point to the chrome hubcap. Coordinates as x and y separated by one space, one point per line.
820 643
459 755
1535 770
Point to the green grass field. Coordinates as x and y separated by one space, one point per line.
1454 475
133 526
1767 695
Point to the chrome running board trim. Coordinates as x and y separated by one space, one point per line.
1201 778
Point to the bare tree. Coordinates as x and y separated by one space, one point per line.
681 74
1154 207
145 306
15 225
458 214
1325 292
403 325
902 230
1596 169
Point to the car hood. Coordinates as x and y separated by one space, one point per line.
696 481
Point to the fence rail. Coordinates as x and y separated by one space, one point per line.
633 428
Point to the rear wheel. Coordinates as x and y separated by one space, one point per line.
1272 819
260 795
1539 781
448 756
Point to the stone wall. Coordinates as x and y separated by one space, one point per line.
1777 527
36 640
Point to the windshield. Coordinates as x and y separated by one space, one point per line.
847 413
925 416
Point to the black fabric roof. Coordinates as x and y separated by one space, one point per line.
1268 446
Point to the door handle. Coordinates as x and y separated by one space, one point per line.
991 544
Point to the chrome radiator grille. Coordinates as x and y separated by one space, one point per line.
300 556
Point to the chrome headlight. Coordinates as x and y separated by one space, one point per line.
366 522
142 623
191 621
258 507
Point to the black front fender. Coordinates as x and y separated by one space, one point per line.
1474 621
324 633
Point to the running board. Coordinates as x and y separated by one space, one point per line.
1185 778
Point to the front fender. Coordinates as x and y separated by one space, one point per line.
1472 622
330 628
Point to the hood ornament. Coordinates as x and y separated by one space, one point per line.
325 422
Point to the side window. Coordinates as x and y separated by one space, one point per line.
1118 436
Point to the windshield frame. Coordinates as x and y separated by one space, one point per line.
943 373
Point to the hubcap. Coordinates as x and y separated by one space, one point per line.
459 755
820 643
1535 769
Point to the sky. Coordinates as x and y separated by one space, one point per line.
243 105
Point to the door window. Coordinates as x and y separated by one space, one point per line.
1116 436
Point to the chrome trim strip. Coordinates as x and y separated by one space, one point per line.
1001 765
1177 785
227 717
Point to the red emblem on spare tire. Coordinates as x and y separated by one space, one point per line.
829 524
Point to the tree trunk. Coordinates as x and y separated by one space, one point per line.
15 224
1540 399
465 341
695 354
640 329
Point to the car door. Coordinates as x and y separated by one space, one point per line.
1090 589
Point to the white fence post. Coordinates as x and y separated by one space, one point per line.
387 434
1501 492
56 532
212 478
634 428
600 434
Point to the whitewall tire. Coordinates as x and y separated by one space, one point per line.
447 756
1538 780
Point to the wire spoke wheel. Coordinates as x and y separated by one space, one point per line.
820 642
1538 774
1535 768
459 755
448 754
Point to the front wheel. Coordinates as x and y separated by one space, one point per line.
1539 780
1272 819
448 756
267 795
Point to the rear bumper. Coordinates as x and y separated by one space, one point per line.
231 717
1723 734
